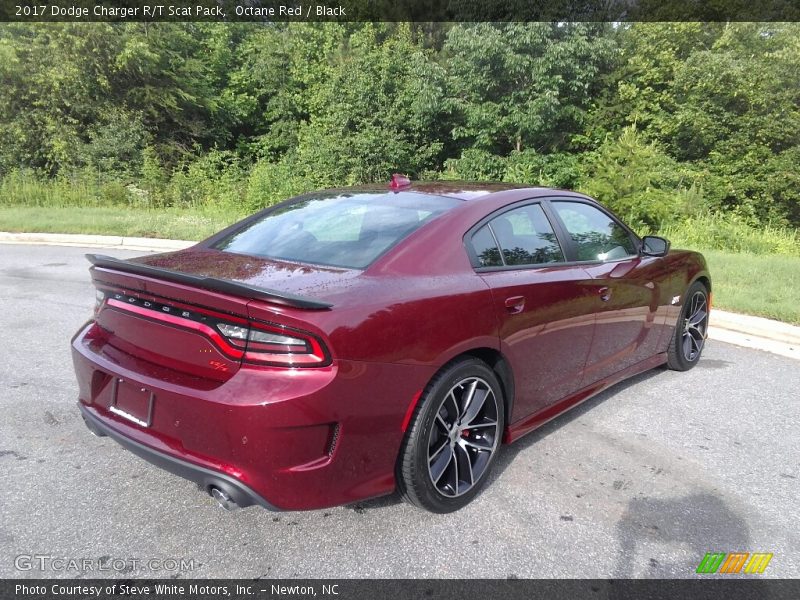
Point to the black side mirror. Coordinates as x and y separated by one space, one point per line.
652 245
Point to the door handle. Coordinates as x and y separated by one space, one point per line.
604 293
515 304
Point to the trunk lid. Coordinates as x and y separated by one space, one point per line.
302 283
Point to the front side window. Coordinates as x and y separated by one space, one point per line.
596 235
339 229
522 236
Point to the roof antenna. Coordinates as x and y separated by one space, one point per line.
399 182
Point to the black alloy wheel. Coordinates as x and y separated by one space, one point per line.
453 438
689 338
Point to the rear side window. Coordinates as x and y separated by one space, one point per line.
347 230
597 236
522 236
486 249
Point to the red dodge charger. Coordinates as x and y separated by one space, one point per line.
347 343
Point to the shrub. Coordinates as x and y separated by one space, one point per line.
216 179
731 233
638 181
270 183
547 170
475 165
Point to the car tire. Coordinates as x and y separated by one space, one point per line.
688 339
453 438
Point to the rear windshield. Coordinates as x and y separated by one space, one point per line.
338 229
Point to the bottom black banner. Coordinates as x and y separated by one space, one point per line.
402 589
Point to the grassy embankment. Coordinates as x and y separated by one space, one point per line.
765 286
167 223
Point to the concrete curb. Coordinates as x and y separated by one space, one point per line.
756 326
743 330
755 332
99 241
745 340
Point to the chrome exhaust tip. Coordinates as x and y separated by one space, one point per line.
223 499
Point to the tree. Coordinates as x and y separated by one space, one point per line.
379 111
523 85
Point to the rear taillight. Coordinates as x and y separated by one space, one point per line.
268 344
256 343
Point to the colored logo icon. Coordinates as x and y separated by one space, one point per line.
734 563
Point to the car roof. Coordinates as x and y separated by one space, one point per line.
463 190
460 190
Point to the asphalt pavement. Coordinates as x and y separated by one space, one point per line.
640 481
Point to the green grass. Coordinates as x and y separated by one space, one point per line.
763 285
168 223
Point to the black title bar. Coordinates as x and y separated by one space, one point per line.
266 11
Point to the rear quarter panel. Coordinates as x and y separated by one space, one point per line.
401 319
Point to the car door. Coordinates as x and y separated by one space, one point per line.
544 305
628 321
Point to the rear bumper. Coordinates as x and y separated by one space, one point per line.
207 479
285 439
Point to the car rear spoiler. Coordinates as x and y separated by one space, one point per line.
216 284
